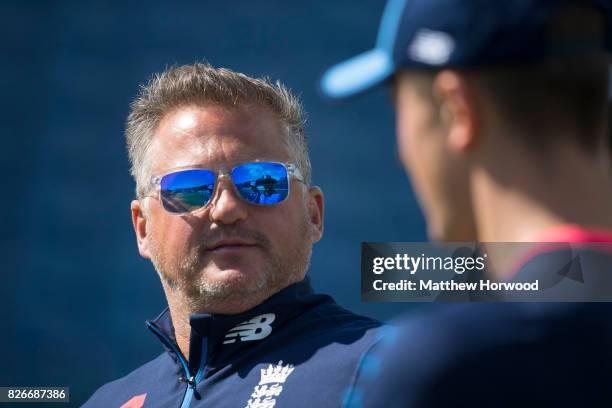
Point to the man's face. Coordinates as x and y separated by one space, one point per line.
438 175
230 255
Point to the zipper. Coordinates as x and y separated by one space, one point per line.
192 381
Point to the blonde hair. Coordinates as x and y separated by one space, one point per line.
202 84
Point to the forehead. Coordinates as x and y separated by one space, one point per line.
216 136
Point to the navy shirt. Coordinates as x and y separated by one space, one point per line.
500 354
296 349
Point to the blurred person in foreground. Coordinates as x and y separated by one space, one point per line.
226 213
501 125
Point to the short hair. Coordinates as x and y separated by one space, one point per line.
539 101
202 84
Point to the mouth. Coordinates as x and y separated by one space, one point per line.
230 246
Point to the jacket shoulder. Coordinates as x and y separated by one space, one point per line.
117 392
336 315
541 346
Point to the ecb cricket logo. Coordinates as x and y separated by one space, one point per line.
270 385
255 329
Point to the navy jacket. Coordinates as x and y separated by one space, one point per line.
297 349
501 354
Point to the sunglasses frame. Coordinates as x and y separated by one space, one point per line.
291 168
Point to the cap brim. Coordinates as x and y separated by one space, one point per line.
357 74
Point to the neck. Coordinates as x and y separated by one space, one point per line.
180 312
182 307
514 200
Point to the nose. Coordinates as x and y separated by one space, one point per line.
227 206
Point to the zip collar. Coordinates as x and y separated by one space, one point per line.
573 233
563 238
226 336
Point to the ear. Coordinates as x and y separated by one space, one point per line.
139 221
315 212
458 110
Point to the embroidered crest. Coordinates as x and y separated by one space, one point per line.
270 385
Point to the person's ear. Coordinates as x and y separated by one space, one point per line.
315 207
139 221
459 110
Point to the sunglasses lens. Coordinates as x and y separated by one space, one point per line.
187 190
261 183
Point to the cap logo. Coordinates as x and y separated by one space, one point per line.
431 47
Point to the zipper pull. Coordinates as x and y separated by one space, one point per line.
191 381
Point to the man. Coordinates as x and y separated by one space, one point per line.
501 121
227 215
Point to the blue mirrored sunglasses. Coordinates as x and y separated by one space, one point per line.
262 183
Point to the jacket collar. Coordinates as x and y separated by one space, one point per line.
229 335
561 240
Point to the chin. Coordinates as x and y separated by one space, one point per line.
216 271
231 291
435 232
441 231
450 232
238 279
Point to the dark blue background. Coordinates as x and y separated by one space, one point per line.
74 290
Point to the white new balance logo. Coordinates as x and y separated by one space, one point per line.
431 47
255 329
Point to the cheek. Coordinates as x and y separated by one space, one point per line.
413 133
284 226
416 152
421 147
408 144
172 235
